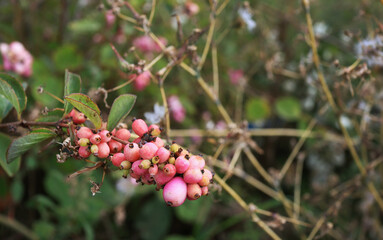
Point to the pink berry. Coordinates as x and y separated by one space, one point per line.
207 178
105 136
77 117
162 178
148 151
175 192
84 132
132 152
194 191
205 190
103 150
137 140
196 161
159 142
147 179
139 127
182 164
135 176
193 175
163 154
123 134
153 170
154 130
115 146
95 139
84 152
117 159
169 169
136 168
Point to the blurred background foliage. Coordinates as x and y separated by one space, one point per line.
281 91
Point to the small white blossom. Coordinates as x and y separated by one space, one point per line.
321 29
371 50
156 116
246 16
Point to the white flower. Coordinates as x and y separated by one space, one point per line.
156 116
321 29
246 16
371 50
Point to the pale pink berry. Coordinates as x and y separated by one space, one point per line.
136 168
139 127
191 8
142 81
132 152
84 132
207 178
176 108
103 150
147 179
83 142
110 18
105 135
175 192
153 170
235 76
117 159
193 175
169 169
163 154
162 178
154 130
84 152
159 142
148 151
95 139
196 161
182 164
194 191
77 117
205 190
16 58
115 146
135 176
123 134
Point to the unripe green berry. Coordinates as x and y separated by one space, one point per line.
145 164
83 142
125 165
94 149
155 159
172 160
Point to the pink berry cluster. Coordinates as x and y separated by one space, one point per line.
148 160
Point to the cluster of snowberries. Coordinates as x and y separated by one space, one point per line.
148 159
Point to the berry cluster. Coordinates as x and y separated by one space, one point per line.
147 159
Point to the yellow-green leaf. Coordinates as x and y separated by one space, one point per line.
120 109
83 103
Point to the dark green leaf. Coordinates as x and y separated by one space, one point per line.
83 103
288 108
7 91
17 87
52 116
72 85
120 109
12 167
5 107
23 144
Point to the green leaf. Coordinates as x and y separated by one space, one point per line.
5 107
51 116
12 167
83 103
17 87
7 91
72 85
17 190
67 56
288 108
257 109
120 109
189 211
23 144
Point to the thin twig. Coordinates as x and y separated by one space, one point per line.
12 223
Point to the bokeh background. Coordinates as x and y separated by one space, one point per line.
267 80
